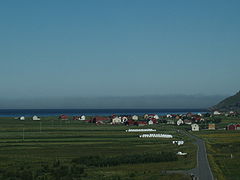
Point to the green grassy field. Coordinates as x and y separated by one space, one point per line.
37 143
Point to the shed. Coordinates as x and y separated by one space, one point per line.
35 118
211 126
22 118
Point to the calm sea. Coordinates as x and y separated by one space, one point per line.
93 112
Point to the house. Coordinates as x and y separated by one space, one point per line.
169 116
237 126
179 122
82 118
233 127
116 120
150 122
145 116
22 118
35 118
63 117
124 119
211 126
135 117
195 127
186 121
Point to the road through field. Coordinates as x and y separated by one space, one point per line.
203 170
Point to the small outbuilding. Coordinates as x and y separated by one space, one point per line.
135 117
22 118
36 118
195 127
211 126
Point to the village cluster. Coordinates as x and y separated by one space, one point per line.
191 119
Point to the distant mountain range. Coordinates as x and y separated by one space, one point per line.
228 104
110 102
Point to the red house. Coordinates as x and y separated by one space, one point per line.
231 127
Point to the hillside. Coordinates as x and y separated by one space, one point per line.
230 103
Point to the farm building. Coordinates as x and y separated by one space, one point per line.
135 117
35 118
116 120
211 126
233 127
186 121
179 122
150 122
124 119
195 127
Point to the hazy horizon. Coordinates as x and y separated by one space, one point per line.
112 102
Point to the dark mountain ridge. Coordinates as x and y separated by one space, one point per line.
231 103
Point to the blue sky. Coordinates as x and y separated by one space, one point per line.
56 48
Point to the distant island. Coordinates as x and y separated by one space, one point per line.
231 103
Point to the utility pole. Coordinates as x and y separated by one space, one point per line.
40 126
23 134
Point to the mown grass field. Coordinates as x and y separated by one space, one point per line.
223 149
35 143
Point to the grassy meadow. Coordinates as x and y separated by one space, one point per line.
33 145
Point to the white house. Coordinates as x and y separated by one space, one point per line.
83 118
150 122
156 116
135 117
195 127
179 122
116 120
22 118
169 116
124 119
35 118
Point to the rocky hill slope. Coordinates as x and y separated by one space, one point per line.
228 104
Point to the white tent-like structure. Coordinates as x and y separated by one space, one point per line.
36 118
